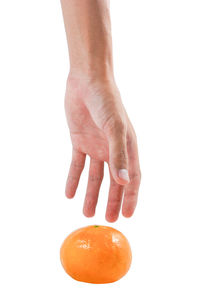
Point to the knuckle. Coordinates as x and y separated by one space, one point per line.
89 199
122 155
115 125
114 203
130 142
76 165
135 176
95 178
119 126
132 194
72 178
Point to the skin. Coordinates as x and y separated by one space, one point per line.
98 122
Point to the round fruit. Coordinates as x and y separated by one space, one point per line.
96 254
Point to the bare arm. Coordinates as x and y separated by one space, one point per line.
87 24
99 125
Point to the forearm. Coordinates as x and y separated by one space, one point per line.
99 125
87 24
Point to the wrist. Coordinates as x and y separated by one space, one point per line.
89 87
92 71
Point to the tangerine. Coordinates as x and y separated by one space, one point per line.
96 254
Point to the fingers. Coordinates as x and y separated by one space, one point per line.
131 189
118 157
114 200
94 182
131 195
76 168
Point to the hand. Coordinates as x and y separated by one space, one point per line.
99 127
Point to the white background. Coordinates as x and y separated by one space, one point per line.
157 67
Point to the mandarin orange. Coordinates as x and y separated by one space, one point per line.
96 254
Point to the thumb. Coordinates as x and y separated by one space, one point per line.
118 156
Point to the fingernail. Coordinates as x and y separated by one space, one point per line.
123 174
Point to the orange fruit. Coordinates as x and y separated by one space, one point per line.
96 254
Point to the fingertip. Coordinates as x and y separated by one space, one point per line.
111 219
128 212
89 208
69 193
88 214
69 196
111 216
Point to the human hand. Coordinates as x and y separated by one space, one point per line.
99 127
